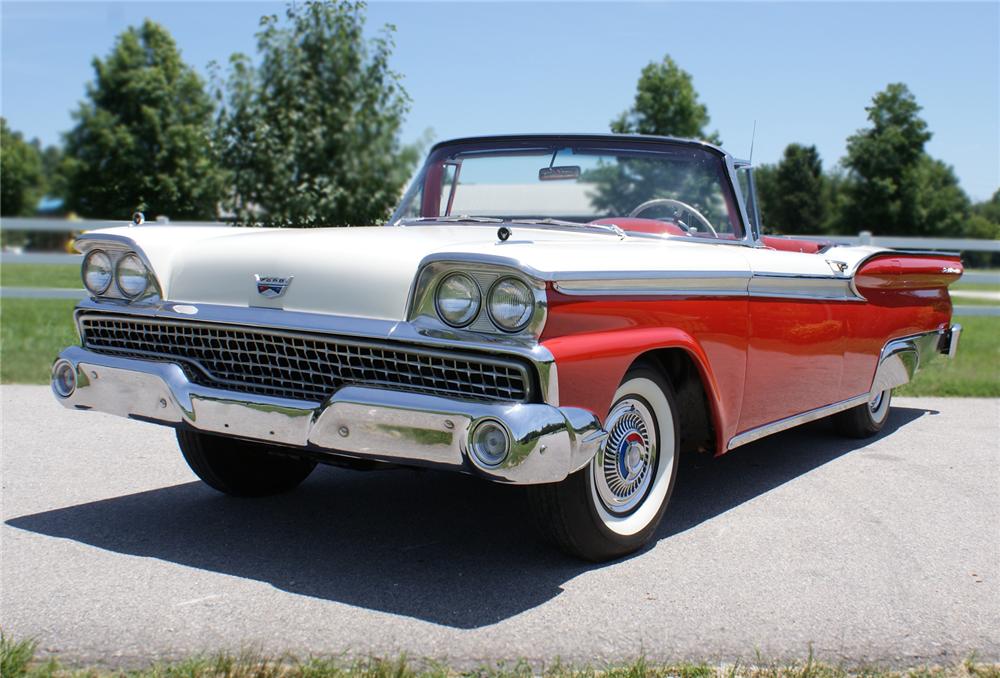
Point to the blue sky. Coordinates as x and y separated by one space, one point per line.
804 71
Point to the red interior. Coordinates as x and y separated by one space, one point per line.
640 225
794 245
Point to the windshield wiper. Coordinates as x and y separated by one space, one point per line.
607 228
450 219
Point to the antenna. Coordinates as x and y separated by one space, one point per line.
753 136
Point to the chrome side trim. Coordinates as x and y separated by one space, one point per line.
793 421
792 286
898 362
686 285
356 421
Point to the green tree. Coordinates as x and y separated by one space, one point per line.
666 104
22 178
792 195
143 136
941 206
893 187
989 209
310 136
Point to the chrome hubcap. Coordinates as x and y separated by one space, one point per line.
625 466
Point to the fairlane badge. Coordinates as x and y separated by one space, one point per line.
271 286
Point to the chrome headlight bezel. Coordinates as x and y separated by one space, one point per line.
423 311
142 271
475 297
529 305
90 257
117 248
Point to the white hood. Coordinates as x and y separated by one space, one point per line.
368 272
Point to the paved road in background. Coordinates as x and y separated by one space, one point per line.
886 550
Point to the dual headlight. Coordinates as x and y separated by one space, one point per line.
510 303
129 274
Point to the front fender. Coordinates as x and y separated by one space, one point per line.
591 367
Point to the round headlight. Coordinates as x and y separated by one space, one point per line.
458 299
97 272
131 275
511 304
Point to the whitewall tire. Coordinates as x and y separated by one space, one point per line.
613 506
865 420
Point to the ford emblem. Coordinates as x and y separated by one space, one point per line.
272 286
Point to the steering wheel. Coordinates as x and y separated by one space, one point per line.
680 205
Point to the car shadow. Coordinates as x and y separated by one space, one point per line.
443 548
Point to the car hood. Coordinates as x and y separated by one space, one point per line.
368 272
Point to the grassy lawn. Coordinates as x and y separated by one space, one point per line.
971 301
18 662
975 371
33 331
979 287
40 275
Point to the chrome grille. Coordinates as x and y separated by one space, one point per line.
302 366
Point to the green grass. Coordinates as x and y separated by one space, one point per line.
979 287
18 662
32 332
971 301
975 370
40 275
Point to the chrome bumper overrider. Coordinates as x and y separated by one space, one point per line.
547 443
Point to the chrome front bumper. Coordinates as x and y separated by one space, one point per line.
547 443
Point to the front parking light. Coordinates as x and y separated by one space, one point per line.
489 444
63 378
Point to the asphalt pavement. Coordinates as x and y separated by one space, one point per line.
883 551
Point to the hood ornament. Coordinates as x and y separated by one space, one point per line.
272 286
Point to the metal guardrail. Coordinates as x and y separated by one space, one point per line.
52 225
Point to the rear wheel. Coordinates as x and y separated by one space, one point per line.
241 468
865 420
613 506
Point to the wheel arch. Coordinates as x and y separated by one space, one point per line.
696 409
591 367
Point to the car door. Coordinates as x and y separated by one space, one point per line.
797 330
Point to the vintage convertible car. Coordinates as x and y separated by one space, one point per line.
568 312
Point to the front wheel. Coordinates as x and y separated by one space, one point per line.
612 506
865 420
241 468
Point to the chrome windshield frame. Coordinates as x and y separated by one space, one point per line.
750 235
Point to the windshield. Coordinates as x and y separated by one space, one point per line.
664 188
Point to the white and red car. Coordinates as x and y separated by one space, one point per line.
570 312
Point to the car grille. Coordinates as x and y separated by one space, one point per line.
302 366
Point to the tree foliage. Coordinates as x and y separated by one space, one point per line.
666 104
894 186
792 194
22 177
310 136
142 138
